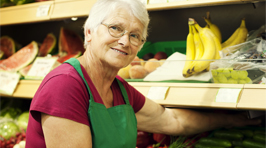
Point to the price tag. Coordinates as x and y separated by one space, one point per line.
8 82
228 95
157 93
42 10
41 67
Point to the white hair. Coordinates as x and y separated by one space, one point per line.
102 8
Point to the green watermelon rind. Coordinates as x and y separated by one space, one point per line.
32 58
1 54
11 41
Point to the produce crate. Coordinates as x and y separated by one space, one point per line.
169 47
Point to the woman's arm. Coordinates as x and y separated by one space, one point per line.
157 119
65 133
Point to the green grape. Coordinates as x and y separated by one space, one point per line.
222 78
232 81
234 74
248 80
214 73
242 74
227 72
220 70
242 81
215 79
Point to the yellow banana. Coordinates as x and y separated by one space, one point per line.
239 36
190 52
218 46
209 50
217 49
199 49
214 28
242 34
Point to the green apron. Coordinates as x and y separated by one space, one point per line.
114 127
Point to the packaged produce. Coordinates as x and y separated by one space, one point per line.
243 65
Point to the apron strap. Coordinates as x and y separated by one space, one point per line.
124 92
75 63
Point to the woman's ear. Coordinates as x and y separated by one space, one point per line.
87 33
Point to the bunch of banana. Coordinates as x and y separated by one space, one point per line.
239 36
214 28
190 51
202 47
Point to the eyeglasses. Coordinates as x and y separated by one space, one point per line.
118 31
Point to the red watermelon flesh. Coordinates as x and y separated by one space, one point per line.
68 56
48 45
21 58
7 45
70 42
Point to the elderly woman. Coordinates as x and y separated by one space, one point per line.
83 103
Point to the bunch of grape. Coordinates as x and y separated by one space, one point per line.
9 143
230 76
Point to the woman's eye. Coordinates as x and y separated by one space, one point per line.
116 28
136 36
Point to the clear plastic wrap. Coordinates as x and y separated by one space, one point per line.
241 64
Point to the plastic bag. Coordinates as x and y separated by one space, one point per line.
242 64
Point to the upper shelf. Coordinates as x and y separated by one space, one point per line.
60 9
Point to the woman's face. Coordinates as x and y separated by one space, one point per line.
116 52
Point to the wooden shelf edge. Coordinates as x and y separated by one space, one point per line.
60 11
27 13
27 88
191 3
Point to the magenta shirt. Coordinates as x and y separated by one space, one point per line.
63 93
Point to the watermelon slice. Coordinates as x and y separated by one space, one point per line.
1 54
70 42
48 45
25 70
62 59
21 58
7 46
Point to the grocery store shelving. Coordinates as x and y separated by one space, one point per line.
60 9
26 13
180 94
252 96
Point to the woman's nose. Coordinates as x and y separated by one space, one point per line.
124 40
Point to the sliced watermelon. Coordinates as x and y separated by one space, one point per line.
68 56
1 54
25 70
70 42
48 45
21 58
7 45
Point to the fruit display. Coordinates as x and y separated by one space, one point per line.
140 68
239 36
230 76
203 45
21 58
8 46
70 45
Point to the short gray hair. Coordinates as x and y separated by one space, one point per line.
102 8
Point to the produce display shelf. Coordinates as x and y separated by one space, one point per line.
27 13
61 9
184 95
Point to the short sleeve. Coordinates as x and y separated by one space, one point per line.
64 96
